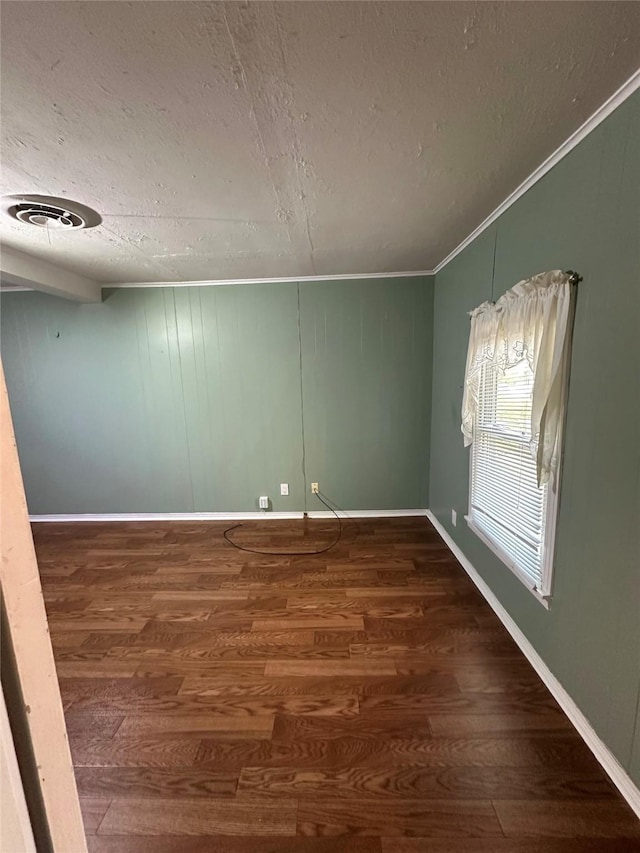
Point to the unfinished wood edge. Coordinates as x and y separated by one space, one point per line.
15 828
601 751
27 626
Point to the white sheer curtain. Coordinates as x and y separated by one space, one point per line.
531 321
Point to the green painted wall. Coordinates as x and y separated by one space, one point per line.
189 399
366 363
584 215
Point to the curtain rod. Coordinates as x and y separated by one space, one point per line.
574 278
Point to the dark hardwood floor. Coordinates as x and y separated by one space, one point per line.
363 700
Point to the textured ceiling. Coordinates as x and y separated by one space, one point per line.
242 140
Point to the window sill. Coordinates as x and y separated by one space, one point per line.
500 554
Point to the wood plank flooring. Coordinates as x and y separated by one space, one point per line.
365 700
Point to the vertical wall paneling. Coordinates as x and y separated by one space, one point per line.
585 215
190 399
366 376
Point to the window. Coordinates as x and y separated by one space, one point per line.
506 505
515 387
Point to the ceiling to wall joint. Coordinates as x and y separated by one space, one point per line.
257 140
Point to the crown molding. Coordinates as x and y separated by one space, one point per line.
625 91
283 280
619 96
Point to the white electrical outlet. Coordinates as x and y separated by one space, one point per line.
263 502
284 488
314 489
454 517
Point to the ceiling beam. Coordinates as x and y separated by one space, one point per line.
22 270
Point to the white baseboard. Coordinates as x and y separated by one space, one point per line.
226 516
603 754
367 513
170 516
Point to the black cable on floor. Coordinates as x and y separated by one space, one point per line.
289 553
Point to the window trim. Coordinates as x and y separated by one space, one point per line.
545 594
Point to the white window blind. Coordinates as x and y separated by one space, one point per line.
512 414
506 503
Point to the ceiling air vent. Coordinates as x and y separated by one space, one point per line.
43 211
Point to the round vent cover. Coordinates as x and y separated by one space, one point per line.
51 213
